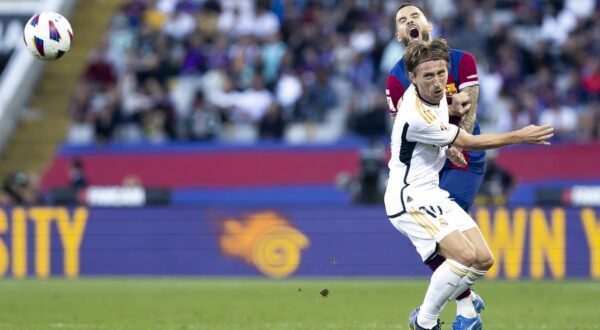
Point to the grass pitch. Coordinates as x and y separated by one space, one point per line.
187 304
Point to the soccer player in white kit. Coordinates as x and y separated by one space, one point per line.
415 204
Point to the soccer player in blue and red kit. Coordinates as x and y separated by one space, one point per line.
463 172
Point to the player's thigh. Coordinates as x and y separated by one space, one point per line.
462 186
457 247
422 232
484 259
427 224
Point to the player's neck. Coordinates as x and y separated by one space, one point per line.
429 103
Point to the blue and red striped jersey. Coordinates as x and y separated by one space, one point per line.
463 73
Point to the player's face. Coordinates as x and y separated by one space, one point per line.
430 79
411 25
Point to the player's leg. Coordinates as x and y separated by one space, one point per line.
460 255
438 229
463 187
430 235
467 317
468 303
484 259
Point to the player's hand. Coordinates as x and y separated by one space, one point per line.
456 157
533 134
460 104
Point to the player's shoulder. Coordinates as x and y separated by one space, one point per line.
398 72
398 69
415 111
457 55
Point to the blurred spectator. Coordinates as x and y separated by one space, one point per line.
368 186
251 104
371 122
561 117
272 124
195 58
373 172
321 60
100 71
318 97
266 23
180 23
497 183
104 125
77 175
203 122
20 188
589 121
271 55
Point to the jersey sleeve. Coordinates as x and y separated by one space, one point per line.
428 129
467 71
393 93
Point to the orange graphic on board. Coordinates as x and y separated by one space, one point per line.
266 240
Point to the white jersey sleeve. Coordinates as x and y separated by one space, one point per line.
429 128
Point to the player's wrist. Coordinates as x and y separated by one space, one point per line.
515 137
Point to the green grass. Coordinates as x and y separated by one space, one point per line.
176 303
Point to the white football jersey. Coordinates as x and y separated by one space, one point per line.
420 137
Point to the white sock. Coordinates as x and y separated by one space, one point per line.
465 306
444 282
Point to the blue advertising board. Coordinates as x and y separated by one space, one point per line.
278 242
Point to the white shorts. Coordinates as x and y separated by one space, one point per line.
426 224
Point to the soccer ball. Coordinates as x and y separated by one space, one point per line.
48 36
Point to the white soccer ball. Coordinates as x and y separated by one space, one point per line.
48 36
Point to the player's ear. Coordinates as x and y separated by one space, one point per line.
411 76
429 26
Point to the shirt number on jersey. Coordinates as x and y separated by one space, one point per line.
390 102
433 211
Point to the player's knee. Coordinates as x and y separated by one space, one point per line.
467 256
485 262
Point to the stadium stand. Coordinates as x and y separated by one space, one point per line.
199 79
312 70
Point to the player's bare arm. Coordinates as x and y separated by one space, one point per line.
460 104
464 104
467 122
531 134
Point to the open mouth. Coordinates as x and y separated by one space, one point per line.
413 32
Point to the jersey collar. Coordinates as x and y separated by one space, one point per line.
424 101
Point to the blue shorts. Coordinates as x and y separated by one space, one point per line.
462 186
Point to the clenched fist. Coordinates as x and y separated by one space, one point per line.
460 104
456 157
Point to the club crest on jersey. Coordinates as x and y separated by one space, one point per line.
451 89
443 127
443 222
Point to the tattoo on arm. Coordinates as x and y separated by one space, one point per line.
467 122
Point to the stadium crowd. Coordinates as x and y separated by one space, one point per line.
315 70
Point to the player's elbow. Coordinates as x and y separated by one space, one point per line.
467 141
